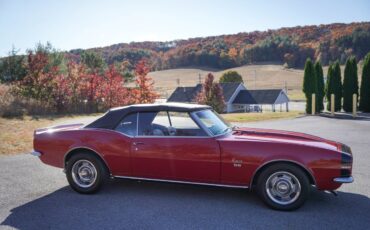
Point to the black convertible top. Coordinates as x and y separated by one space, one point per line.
111 118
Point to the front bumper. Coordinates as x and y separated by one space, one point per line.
35 153
343 180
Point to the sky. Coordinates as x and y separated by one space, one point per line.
71 24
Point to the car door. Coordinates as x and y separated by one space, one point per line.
170 145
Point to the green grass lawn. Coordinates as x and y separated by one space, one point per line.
250 117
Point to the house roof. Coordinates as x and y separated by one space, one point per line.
229 89
244 97
260 96
185 94
188 94
265 96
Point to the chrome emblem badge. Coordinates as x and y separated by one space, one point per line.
237 163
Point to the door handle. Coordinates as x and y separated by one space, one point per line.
138 143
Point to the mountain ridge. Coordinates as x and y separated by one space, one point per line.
287 45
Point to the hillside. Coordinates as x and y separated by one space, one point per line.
265 76
286 45
262 76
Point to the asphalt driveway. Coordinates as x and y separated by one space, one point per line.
37 196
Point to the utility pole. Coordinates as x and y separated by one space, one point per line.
178 81
200 79
286 87
255 78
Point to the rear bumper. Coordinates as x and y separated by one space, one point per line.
35 153
343 180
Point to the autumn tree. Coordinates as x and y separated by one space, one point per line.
74 75
60 93
145 91
365 85
350 84
309 84
320 87
211 94
113 90
38 82
231 76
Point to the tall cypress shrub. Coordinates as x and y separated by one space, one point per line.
350 84
365 85
337 86
309 84
320 87
329 86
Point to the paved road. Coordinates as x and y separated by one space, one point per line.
36 196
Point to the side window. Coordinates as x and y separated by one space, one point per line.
161 119
128 125
183 125
153 123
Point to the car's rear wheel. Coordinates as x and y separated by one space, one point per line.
283 187
85 173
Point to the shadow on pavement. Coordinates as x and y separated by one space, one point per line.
149 205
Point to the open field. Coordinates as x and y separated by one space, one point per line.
17 134
268 76
261 76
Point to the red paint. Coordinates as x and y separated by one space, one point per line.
231 159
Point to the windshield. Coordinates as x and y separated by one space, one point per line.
214 122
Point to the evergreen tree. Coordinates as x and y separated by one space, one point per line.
350 84
320 87
309 84
337 86
365 85
329 86
12 68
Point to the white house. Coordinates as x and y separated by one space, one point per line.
237 97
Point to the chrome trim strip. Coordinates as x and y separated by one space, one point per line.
281 160
148 136
348 154
343 179
35 153
181 182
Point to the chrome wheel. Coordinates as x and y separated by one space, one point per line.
283 188
84 173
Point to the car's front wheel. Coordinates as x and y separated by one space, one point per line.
283 187
85 173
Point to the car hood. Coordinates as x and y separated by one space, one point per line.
271 135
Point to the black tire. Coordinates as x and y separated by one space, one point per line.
285 175
101 173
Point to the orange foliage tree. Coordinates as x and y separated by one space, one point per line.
211 94
145 92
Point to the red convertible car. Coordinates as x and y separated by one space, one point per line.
187 143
